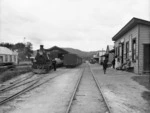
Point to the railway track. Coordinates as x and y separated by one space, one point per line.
10 83
17 83
101 91
21 83
87 95
14 92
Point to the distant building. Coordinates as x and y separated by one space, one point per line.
132 43
7 55
101 56
110 53
96 57
56 52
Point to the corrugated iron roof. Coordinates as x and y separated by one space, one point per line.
132 23
6 51
57 48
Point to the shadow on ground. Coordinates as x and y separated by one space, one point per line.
144 80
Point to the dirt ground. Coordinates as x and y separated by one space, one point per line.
125 92
144 80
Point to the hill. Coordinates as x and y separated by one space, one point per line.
80 53
83 54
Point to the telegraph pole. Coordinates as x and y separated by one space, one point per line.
24 40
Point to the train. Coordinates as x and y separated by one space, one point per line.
71 60
42 62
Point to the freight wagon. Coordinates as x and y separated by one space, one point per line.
72 60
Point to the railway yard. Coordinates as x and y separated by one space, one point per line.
83 89
74 56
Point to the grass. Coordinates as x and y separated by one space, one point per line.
144 80
9 74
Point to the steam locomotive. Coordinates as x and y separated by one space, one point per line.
42 62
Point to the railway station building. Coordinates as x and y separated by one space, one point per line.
56 52
132 45
7 55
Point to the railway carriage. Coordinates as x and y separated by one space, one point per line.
72 60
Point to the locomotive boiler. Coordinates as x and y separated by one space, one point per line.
42 62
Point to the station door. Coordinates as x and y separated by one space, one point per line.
146 58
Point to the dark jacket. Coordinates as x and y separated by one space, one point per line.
105 64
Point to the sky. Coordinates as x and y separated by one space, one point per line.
88 25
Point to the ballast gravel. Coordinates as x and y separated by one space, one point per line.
51 97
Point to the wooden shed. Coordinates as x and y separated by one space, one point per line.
7 55
132 44
57 52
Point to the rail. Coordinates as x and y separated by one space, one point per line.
101 91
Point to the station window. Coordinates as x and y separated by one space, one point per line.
10 58
1 58
14 58
127 50
6 58
118 51
115 51
134 49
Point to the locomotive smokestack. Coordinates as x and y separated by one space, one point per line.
41 47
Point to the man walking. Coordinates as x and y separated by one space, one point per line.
113 63
105 65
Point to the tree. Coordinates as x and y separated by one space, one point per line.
28 50
8 45
24 50
19 46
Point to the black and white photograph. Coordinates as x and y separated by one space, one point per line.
74 56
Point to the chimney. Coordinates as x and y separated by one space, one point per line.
41 47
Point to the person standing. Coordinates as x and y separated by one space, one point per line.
113 63
54 64
105 65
